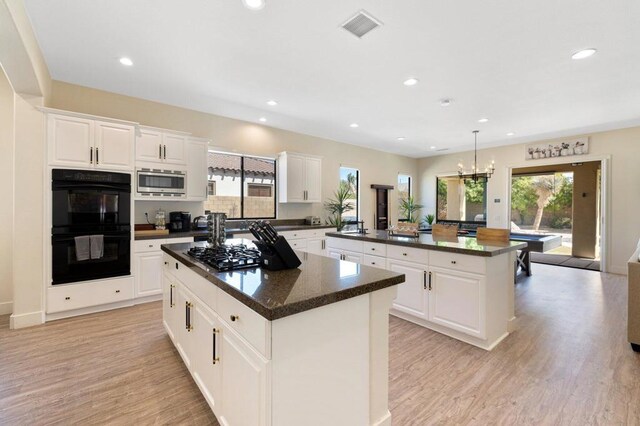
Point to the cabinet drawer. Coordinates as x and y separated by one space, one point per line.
300 244
144 246
319 233
375 261
292 235
458 262
344 244
251 326
76 296
179 240
408 253
375 249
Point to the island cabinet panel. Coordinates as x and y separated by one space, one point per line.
375 261
408 254
458 262
412 297
170 310
207 368
457 300
245 377
249 324
186 340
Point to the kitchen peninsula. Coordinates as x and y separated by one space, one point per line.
300 346
460 287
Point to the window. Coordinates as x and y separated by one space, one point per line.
461 200
350 184
404 191
243 187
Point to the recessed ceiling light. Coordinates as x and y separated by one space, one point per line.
253 4
272 103
432 147
126 61
445 102
401 138
510 134
353 125
483 120
410 81
262 120
584 53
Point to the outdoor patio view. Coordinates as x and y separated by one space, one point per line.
544 204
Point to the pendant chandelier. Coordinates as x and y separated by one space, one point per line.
474 174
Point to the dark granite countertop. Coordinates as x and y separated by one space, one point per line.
462 245
231 231
317 282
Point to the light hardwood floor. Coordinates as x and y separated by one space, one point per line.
568 363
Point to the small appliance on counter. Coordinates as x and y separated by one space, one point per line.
200 223
312 220
276 252
179 222
160 220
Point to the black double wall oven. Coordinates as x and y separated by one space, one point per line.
90 204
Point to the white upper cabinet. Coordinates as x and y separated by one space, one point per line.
299 178
155 147
197 179
79 141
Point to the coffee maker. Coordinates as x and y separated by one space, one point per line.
179 222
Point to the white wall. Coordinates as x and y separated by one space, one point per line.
621 146
6 195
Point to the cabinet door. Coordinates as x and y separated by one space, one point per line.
170 310
313 179
353 256
185 342
197 179
334 253
295 178
375 261
457 301
207 371
148 274
149 146
114 146
412 295
70 141
244 382
174 150
316 246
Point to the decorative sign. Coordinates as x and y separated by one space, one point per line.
577 146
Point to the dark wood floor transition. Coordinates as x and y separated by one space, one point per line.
568 363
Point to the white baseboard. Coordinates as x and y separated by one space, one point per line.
511 325
384 421
6 307
89 310
147 299
620 270
26 320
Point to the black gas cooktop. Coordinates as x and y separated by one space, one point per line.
227 258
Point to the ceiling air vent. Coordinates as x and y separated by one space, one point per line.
361 24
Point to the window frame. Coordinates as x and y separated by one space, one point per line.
242 184
342 166
464 223
409 192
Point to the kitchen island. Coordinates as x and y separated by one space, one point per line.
301 346
460 287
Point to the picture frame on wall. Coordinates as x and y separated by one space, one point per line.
565 148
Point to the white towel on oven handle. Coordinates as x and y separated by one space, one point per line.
83 247
97 246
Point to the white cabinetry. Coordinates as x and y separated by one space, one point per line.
308 240
147 268
299 178
83 142
170 310
462 296
207 331
155 147
197 179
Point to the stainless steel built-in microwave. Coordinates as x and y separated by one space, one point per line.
161 183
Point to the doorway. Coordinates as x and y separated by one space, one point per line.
561 200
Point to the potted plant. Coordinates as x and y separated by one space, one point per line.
339 205
428 219
409 209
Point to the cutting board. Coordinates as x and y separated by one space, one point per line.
151 232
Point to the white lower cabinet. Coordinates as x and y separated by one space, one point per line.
244 377
316 245
185 342
170 310
147 265
413 295
207 365
457 301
